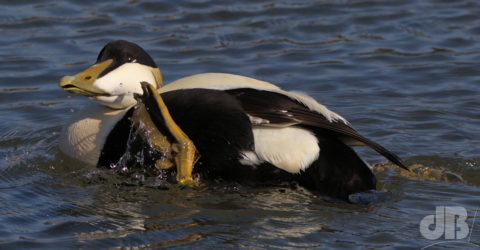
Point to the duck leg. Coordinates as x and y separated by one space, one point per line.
185 148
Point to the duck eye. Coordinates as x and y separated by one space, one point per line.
129 59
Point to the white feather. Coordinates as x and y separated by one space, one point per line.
250 158
291 149
83 138
220 81
312 104
257 120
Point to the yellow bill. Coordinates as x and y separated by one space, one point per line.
82 83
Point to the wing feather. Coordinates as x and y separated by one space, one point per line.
277 110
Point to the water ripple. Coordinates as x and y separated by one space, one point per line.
405 73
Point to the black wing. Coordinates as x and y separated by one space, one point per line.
278 109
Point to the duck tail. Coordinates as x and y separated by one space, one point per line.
338 171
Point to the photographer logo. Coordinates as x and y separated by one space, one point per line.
448 221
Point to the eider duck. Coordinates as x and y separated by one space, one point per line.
245 130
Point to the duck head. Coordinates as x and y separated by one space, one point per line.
116 76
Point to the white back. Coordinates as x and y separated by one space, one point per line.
223 81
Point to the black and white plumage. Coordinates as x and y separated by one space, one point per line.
246 130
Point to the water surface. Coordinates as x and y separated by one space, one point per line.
404 73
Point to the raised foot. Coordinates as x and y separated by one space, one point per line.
187 154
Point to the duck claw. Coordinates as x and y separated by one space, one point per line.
185 148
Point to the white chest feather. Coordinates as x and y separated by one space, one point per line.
84 136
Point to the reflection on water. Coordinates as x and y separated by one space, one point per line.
405 73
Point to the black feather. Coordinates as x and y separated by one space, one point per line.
122 52
338 172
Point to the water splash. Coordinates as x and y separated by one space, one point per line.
138 161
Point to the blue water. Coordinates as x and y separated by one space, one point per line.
404 73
